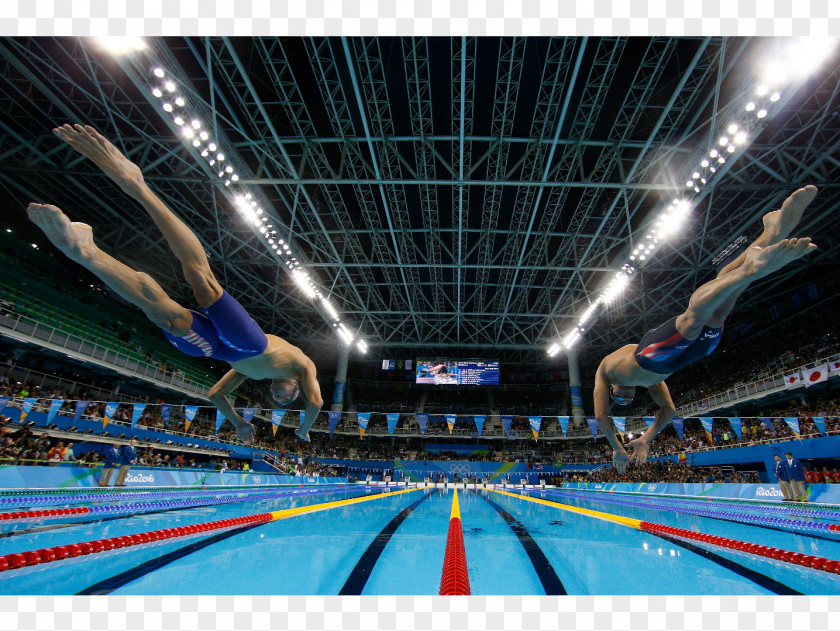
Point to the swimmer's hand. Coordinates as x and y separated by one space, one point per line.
620 460
303 437
246 432
640 449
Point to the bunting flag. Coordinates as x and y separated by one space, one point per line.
363 418
422 420
819 421
479 422
393 418
248 414
834 366
110 409
768 422
165 409
4 401
649 420
137 412
593 425
220 418
679 425
333 416
536 423
815 375
735 422
55 406
450 421
620 424
793 380
707 422
507 421
793 423
564 423
189 412
81 406
27 408
276 419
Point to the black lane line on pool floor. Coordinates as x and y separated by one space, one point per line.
551 583
107 586
361 572
770 584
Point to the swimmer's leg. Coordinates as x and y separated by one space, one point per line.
758 263
777 226
182 241
76 241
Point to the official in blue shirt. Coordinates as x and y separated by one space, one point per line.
796 472
781 472
111 458
127 457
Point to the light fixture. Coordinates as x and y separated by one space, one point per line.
120 45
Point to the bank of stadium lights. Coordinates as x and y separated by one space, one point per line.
165 89
121 45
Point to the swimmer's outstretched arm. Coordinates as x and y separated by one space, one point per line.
218 397
662 397
601 395
314 402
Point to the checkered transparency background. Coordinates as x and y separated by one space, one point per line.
418 17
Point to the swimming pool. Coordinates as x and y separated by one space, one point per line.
348 539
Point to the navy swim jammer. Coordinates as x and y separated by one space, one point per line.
224 331
663 350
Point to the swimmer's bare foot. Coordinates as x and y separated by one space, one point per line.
779 223
90 143
761 262
303 437
73 238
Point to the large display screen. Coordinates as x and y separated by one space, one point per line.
446 372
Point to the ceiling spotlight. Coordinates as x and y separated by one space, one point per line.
170 86
723 141
713 153
179 102
234 177
211 146
750 106
775 97
204 135
761 113
188 133
695 175
732 128
158 72
220 157
704 164
178 120
196 124
196 143
731 148
157 92
167 107
741 137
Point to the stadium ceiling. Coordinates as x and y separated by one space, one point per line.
456 196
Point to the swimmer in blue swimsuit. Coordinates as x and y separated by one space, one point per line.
696 332
222 329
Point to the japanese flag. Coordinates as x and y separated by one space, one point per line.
792 380
834 366
816 375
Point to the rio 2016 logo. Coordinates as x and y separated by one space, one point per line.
765 492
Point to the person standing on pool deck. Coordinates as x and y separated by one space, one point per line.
796 472
783 477
223 331
127 457
696 332
111 458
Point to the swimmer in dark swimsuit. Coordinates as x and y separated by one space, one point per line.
695 333
223 329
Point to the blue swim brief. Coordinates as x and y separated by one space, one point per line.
224 331
663 350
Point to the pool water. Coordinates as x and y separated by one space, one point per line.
348 539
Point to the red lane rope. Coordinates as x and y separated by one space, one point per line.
57 553
797 558
455 580
52 512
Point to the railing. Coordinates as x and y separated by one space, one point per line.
743 392
88 349
26 375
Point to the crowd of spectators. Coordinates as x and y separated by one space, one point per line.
669 472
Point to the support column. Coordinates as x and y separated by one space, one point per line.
340 379
575 387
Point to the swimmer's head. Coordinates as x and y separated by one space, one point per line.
284 391
622 395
